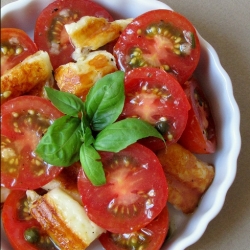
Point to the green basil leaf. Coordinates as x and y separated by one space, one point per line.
121 134
67 103
105 100
92 165
61 144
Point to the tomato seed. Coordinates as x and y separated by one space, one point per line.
6 94
177 46
115 209
41 172
19 50
133 239
12 170
31 111
14 114
166 67
177 40
37 162
170 137
122 210
128 212
135 208
26 210
11 161
17 130
4 50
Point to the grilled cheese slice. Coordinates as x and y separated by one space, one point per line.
78 77
34 70
64 219
188 177
67 181
94 32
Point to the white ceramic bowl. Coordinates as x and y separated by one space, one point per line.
217 85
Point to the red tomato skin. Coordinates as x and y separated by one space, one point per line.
157 232
175 108
49 14
123 189
182 67
19 39
193 137
25 142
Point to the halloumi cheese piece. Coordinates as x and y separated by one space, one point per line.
34 70
67 181
78 77
94 32
188 177
64 219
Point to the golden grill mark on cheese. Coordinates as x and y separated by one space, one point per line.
188 177
64 219
32 71
77 78
94 32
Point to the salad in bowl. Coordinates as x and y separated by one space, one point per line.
116 123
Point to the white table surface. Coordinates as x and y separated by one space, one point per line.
225 24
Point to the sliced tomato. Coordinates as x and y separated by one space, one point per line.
135 192
151 237
199 135
22 230
16 45
159 38
25 119
50 34
155 96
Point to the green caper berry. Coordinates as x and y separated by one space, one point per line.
32 235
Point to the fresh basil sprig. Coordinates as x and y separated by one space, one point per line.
90 126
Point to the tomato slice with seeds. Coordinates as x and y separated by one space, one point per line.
25 119
155 96
159 38
199 135
22 230
151 237
50 34
135 192
16 45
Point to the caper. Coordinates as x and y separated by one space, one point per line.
32 235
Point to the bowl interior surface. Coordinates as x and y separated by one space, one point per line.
185 229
